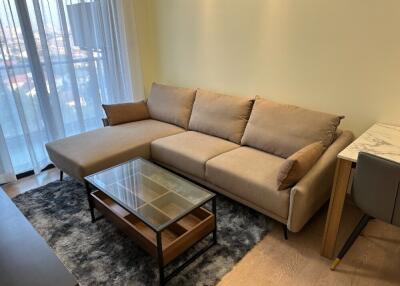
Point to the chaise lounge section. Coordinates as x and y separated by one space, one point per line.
93 151
277 159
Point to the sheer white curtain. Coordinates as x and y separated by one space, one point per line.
6 168
59 61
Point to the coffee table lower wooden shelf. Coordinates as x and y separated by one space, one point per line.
176 238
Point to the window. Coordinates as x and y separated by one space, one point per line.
59 61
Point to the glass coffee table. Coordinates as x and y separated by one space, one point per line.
161 211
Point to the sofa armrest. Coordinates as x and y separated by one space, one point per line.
314 189
126 112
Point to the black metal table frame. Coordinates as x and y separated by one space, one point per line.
160 257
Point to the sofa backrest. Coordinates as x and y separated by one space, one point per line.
283 129
220 115
171 104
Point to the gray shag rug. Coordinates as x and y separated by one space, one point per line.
99 254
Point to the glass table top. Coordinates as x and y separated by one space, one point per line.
154 194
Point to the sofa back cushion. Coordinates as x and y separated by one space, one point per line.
283 129
171 104
220 115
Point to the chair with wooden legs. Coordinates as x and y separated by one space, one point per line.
376 191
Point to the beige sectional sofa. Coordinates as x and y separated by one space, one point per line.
237 146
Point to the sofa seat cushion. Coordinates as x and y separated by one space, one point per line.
96 150
220 115
171 104
189 151
251 175
283 129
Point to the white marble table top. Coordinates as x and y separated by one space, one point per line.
381 139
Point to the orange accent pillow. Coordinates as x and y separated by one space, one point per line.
126 112
297 165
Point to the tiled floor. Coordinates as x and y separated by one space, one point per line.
373 260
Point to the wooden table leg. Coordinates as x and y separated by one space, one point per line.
338 195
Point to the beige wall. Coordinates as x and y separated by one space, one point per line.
143 15
339 56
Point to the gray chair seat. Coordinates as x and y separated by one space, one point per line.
376 191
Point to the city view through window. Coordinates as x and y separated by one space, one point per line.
75 72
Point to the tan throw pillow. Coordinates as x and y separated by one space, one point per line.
171 104
220 115
296 166
283 129
126 112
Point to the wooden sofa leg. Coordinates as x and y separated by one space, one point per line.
61 175
285 231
